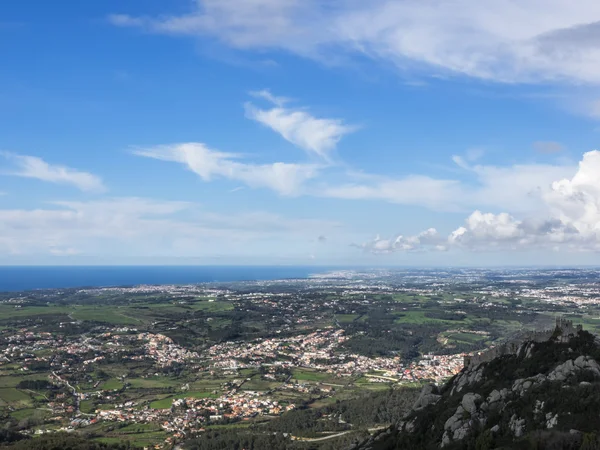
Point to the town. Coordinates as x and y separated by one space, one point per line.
159 364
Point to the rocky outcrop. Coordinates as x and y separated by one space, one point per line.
467 378
569 367
497 396
517 425
561 372
553 380
429 395
551 420
474 410
468 414
521 385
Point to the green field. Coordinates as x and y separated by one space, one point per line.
419 318
197 395
15 398
590 323
7 311
103 314
164 403
87 406
12 381
212 306
25 413
111 385
309 375
256 384
208 384
140 428
346 318
468 338
152 383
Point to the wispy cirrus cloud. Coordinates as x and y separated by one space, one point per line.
266 94
506 41
34 167
317 136
284 178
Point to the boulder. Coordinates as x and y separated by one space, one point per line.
551 420
517 425
428 396
470 402
468 377
494 397
580 362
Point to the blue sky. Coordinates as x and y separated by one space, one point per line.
299 132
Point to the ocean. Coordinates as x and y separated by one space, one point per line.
22 278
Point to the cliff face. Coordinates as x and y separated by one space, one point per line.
546 395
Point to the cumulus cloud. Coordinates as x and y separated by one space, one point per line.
506 41
34 167
576 201
283 178
502 231
426 240
318 136
570 220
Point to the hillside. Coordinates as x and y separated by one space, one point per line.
544 396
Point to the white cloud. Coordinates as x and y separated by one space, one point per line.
418 190
570 220
284 178
424 241
518 187
34 167
123 227
265 94
504 232
506 40
123 20
314 135
69 251
576 201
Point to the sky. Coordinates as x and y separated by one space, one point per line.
338 132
